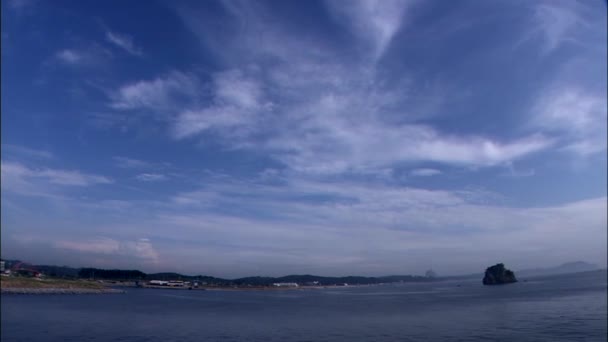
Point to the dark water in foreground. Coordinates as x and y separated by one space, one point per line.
559 308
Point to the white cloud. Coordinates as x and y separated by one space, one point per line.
577 116
15 174
338 145
150 177
91 55
374 21
232 88
236 102
327 119
130 163
101 245
26 152
320 114
69 56
140 249
160 94
72 178
516 173
558 22
123 41
425 172
316 113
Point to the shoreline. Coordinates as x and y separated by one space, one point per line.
255 288
56 290
50 286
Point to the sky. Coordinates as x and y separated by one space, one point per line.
239 138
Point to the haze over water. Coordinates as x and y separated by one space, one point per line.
553 308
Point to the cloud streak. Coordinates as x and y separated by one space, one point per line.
23 179
22 151
558 21
130 163
577 116
159 94
425 172
88 56
375 22
124 42
150 177
140 249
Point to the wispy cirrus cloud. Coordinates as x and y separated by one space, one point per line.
319 133
69 56
92 55
327 117
160 94
375 22
139 249
15 174
130 163
124 42
26 152
558 22
237 103
68 177
150 177
425 172
578 116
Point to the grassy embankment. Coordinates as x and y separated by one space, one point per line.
47 283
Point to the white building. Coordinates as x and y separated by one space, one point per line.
159 282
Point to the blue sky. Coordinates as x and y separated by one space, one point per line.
329 137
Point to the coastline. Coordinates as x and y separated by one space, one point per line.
257 288
56 290
34 286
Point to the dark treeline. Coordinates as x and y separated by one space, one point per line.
96 273
58 271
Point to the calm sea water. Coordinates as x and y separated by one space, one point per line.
558 308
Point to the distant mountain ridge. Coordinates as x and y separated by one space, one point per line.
569 267
130 275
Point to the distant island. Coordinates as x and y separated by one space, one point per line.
497 275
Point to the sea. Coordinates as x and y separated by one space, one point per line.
551 308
